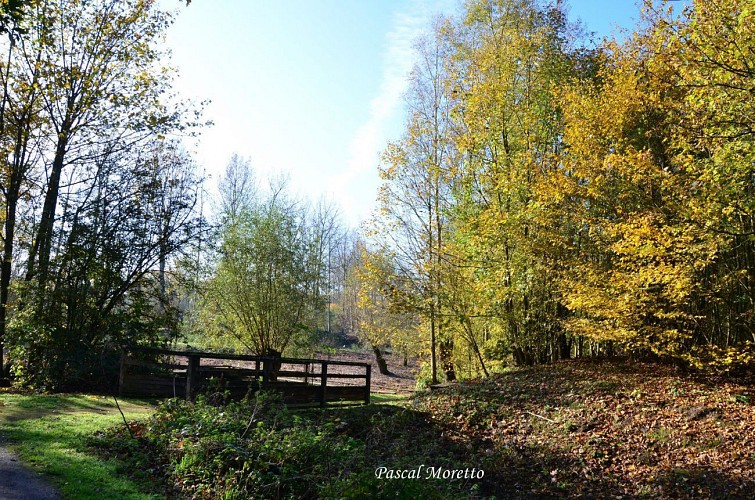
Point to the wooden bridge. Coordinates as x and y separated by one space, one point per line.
301 382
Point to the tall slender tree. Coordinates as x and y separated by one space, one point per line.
416 196
100 85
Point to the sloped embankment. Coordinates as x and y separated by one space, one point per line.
600 429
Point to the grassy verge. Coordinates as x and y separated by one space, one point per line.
53 434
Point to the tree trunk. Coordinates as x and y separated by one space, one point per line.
446 359
523 357
433 357
40 251
480 359
380 360
564 347
518 355
5 277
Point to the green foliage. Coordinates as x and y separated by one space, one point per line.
111 288
50 355
11 17
267 288
259 449
251 449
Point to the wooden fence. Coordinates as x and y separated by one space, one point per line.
168 373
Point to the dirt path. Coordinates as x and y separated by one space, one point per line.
19 483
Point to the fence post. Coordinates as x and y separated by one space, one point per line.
323 382
266 372
368 377
192 375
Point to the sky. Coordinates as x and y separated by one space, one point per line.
313 89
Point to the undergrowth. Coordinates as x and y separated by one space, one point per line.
260 449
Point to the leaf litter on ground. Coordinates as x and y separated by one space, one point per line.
582 428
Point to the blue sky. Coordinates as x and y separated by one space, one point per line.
313 88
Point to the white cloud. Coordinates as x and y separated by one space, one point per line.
356 187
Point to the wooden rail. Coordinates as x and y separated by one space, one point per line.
162 373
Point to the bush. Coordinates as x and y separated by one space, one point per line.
251 449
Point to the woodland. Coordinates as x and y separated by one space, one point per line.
551 197
557 208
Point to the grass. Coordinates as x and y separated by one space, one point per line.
387 398
52 433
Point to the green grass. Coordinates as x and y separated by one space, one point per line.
385 398
52 433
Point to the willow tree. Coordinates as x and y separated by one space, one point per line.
263 293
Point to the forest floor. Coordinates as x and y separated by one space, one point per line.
590 429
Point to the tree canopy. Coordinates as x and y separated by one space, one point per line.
591 200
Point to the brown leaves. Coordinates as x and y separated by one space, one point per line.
627 429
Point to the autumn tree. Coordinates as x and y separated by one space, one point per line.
709 56
416 196
578 201
377 322
509 58
658 178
